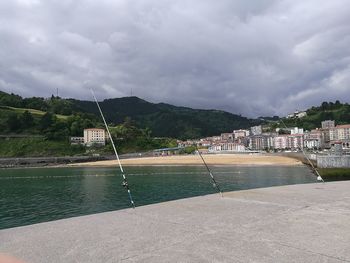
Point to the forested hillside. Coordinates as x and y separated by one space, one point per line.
163 120
337 111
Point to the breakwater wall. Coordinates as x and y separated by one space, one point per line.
333 161
46 161
300 157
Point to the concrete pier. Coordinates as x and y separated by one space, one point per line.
298 223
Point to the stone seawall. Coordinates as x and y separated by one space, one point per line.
45 161
333 161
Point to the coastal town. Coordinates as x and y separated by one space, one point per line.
256 139
174 131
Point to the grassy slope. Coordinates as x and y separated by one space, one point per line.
37 147
34 112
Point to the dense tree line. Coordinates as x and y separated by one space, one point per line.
163 120
54 104
337 111
49 125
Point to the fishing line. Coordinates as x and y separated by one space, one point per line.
215 184
319 177
125 182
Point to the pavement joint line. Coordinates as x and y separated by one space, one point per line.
308 251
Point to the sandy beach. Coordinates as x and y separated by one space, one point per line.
211 159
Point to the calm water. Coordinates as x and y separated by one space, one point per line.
30 196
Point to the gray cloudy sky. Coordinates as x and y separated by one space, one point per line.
260 57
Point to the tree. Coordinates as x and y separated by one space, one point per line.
10 100
46 121
27 120
12 122
35 103
324 105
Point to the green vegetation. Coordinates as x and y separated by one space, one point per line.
131 139
55 133
188 150
315 115
37 147
33 112
165 120
332 174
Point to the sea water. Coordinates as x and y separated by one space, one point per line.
35 195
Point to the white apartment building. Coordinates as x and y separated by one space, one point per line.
294 141
300 114
227 147
297 130
328 124
240 133
94 136
341 133
297 114
260 142
314 139
280 142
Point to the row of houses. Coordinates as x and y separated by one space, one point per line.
283 139
321 138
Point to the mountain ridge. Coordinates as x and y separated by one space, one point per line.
164 120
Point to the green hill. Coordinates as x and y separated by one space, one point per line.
163 120
339 112
166 120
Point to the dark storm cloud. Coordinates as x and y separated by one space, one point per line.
249 57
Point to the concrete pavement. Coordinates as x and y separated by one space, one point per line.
298 223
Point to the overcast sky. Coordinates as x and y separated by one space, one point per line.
254 58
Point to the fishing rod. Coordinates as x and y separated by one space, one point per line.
215 184
125 182
319 177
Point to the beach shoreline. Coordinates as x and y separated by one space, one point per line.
191 160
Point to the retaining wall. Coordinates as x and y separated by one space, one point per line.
333 161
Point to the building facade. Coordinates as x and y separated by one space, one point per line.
261 142
286 141
227 136
94 136
240 133
340 133
76 140
314 139
327 124
227 147
296 130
